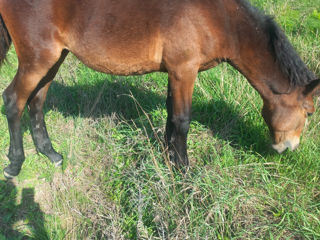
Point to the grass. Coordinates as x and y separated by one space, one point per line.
115 182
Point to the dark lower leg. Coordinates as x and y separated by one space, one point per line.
176 132
178 141
38 127
169 125
176 136
39 131
16 153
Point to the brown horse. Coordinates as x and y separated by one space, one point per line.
126 37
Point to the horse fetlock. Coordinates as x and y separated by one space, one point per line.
43 145
181 161
16 155
47 150
178 155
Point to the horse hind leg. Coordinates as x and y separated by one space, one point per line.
15 96
35 105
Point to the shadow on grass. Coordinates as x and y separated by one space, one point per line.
28 212
226 123
105 98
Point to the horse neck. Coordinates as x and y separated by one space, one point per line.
255 59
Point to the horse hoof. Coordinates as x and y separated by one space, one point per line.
8 175
11 171
58 163
55 158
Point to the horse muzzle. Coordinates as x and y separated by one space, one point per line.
291 144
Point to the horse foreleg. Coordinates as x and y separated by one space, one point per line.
179 100
38 127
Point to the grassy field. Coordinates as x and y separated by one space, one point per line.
115 182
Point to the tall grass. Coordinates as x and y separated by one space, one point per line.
116 183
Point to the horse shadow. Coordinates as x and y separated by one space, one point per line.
27 214
126 100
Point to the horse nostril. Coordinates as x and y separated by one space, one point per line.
310 114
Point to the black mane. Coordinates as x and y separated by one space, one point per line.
284 53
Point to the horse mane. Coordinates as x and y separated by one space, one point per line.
284 53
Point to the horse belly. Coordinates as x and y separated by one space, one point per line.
121 56
117 65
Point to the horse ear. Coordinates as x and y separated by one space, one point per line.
312 88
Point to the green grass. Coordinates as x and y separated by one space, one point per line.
115 182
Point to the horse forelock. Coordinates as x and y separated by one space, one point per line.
284 53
